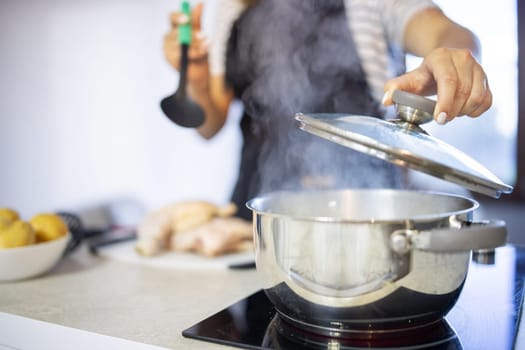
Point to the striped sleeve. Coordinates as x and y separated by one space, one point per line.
227 11
397 13
378 28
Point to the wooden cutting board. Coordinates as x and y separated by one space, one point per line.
125 252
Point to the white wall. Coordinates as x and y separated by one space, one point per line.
80 121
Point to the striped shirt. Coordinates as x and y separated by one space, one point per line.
377 27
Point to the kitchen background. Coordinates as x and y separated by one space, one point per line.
81 125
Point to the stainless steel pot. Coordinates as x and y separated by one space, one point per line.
348 260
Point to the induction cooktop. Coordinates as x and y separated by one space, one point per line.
486 316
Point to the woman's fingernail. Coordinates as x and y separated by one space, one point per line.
442 118
386 96
200 35
184 19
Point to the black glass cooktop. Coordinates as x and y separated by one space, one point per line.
486 316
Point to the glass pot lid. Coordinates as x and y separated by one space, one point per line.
403 142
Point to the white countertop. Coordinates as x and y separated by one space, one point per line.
144 304
139 303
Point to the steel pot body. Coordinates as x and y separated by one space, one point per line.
351 260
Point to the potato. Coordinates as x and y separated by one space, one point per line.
16 234
8 215
48 226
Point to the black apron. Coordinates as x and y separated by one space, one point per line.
289 56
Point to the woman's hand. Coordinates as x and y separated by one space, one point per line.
210 92
457 78
198 68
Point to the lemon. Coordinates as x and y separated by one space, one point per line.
8 215
48 227
16 234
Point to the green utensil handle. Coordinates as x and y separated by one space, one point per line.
185 29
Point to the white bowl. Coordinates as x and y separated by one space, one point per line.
32 260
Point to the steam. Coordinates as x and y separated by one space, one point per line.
298 56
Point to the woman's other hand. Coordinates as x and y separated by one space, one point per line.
458 79
449 68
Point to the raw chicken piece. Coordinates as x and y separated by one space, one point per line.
154 232
192 214
217 237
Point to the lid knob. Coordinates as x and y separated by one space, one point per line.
413 110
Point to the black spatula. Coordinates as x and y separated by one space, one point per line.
179 107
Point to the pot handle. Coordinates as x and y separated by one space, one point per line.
475 236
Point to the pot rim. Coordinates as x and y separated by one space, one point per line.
252 205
